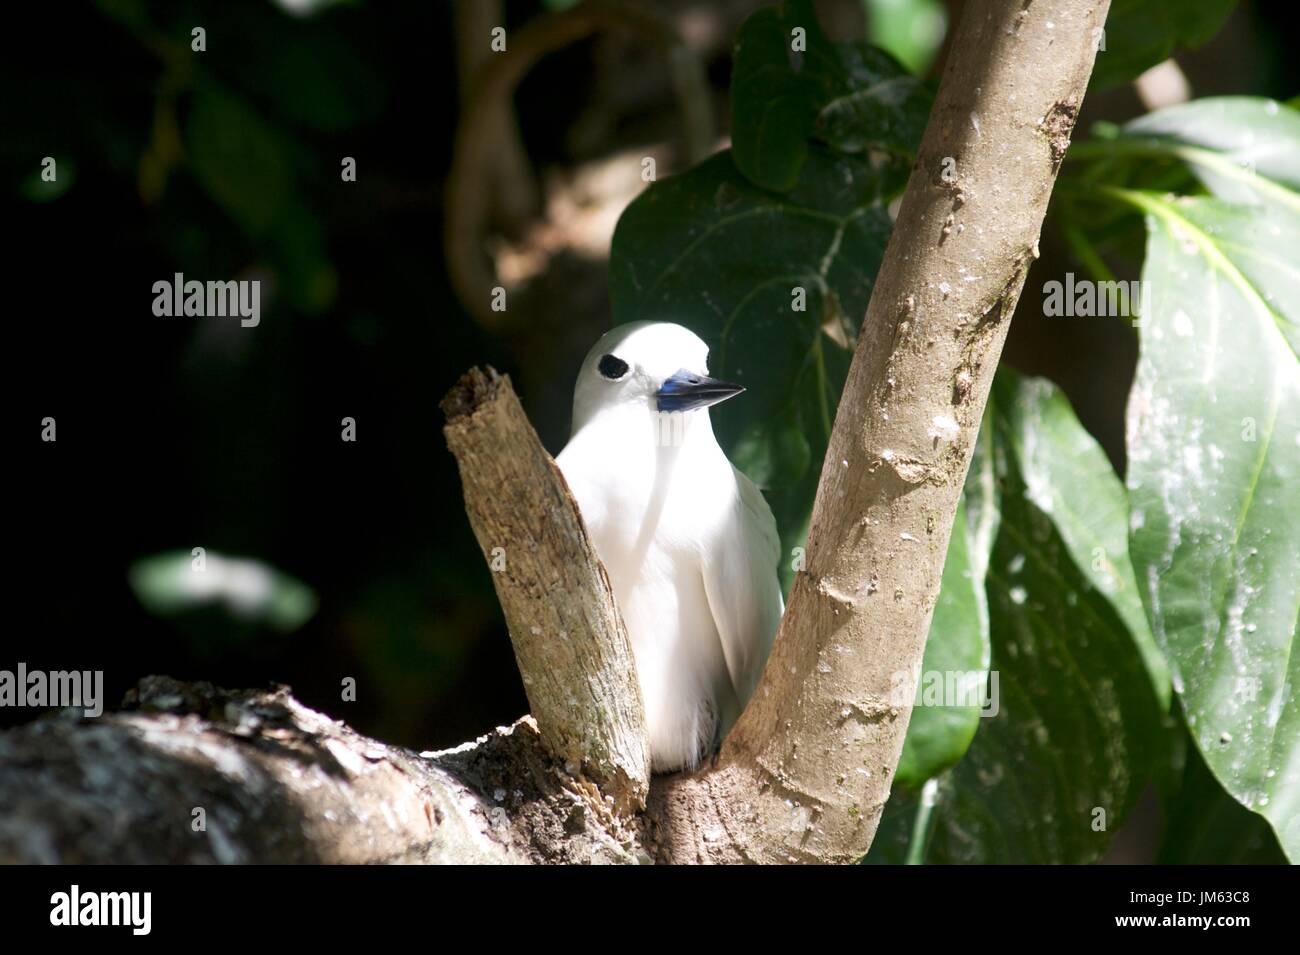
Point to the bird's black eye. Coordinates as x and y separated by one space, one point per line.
612 368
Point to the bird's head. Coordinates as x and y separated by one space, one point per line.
653 365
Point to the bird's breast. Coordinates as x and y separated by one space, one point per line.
653 517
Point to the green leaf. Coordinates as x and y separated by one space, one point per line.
1206 826
35 188
1078 725
1243 148
851 96
1214 461
251 170
733 263
911 30
1142 33
1069 478
312 75
873 104
767 451
238 158
773 97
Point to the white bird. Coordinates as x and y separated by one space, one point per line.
688 541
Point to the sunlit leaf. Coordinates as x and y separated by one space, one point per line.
1244 148
1214 461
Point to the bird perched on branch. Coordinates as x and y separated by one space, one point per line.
688 541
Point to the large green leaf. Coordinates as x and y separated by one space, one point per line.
1050 777
1214 461
1243 148
1141 33
713 252
312 73
1069 478
850 96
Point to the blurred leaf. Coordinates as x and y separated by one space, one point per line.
911 30
296 243
309 8
314 77
130 13
1243 148
1214 461
34 188
1051 776
249 169
1142 33
248 590
850 96
772 452
238 158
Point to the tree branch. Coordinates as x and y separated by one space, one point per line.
191 773
570 643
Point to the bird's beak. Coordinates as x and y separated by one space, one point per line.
685 391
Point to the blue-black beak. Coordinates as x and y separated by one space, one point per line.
685 391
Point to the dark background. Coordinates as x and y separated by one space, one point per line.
183 432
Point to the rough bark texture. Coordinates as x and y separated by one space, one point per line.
806 771
278 782
570 643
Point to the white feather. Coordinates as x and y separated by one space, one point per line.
689 543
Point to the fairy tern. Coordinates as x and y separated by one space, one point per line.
688 541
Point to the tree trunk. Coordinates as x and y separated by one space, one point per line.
806 771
